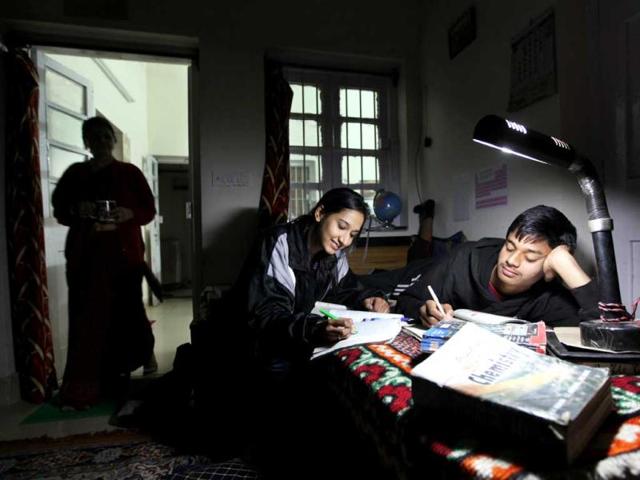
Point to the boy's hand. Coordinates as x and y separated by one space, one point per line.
430 315
561 263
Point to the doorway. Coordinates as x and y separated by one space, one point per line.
147 102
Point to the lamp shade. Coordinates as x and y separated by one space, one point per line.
512 137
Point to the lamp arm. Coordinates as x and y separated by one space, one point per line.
593 192
600 226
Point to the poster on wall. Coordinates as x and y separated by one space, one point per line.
533 63
462 188
491 187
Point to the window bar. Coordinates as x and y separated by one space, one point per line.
319 143
346 132
304 147
361 146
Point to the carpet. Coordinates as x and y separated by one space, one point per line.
121 455
51 412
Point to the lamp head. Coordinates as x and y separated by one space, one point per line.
512 137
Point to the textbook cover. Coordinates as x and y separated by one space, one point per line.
509 392
530 335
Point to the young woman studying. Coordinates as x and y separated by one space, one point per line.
297 264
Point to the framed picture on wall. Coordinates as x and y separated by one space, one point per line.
533 63
462 32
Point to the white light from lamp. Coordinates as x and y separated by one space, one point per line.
508 150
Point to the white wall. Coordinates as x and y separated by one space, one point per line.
233 38
462 90
129 117
167 102
585 112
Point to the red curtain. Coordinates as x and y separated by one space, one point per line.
274 199
27 267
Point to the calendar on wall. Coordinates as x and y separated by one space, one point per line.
533 63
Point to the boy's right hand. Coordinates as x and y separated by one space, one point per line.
430 315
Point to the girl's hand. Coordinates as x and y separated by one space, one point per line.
338 329
376 304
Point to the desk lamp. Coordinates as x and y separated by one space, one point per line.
614 330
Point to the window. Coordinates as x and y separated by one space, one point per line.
341 133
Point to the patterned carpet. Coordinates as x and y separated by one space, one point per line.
120 455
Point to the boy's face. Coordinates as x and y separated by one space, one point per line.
519 264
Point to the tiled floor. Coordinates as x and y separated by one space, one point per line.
171 329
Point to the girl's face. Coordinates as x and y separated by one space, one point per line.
336 231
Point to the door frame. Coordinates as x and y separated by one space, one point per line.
112 43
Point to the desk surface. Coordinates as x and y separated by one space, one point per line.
379 390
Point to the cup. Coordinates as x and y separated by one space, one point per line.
104 210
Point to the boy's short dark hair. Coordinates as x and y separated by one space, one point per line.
545 223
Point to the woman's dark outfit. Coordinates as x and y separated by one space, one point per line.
109 333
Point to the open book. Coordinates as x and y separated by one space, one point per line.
486 318
371 327
341 311
417 330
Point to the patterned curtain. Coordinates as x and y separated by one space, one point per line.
274 199
27 268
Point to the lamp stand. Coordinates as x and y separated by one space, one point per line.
615 330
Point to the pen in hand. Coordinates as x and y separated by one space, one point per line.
435 299
350 329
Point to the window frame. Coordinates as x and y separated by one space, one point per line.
330 152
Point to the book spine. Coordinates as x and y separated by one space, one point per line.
491 421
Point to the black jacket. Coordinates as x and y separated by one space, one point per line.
462 280
280 284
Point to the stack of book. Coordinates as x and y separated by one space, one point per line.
530 335
491 388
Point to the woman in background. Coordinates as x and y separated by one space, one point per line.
109 333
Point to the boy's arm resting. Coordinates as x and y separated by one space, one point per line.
436 275
561 263
410 301
587 297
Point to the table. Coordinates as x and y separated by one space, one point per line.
374 383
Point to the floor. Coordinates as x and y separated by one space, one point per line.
170 328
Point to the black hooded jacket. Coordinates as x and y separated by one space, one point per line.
462 280
280 284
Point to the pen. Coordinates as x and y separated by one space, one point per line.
331 316
435 299
328 314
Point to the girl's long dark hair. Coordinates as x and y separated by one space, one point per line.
338 199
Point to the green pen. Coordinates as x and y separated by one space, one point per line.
331 316
328 314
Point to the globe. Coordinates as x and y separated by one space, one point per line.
386 206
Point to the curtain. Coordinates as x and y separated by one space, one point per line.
274 198
25 244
